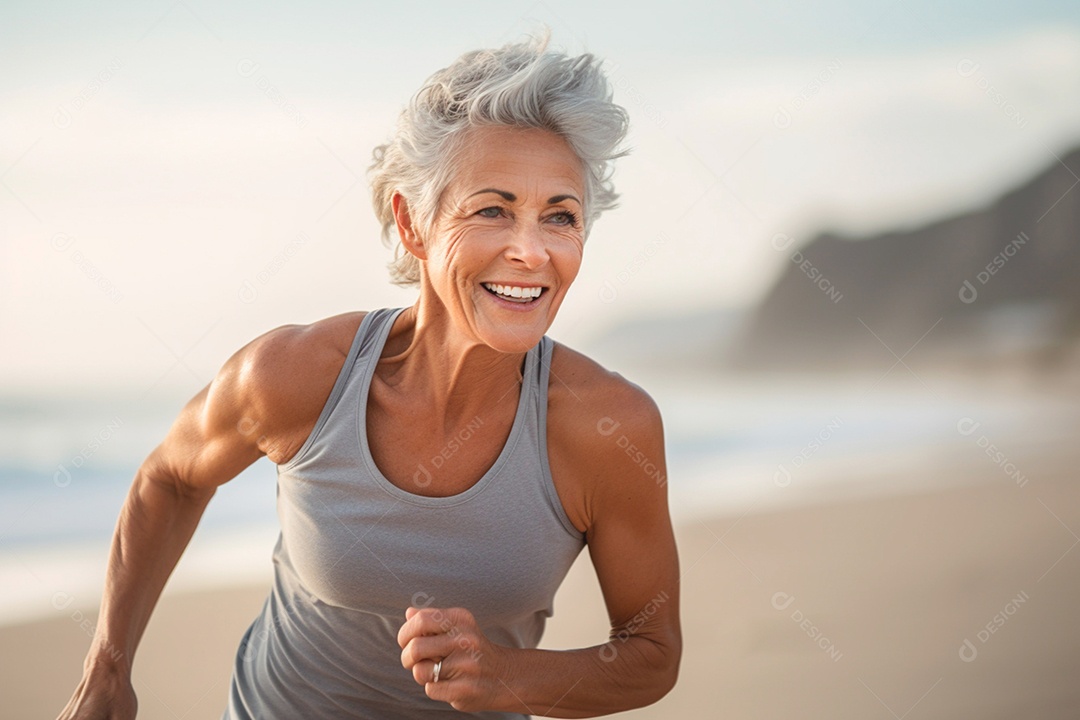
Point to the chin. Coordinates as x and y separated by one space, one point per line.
510 330
512 339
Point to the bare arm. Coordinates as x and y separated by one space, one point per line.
214 437
632 546
618 453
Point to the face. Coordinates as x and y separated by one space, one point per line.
509 227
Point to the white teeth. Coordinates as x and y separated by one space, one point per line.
514 291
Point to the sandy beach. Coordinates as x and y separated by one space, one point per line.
955 603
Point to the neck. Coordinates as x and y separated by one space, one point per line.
443 373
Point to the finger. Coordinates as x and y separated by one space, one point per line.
425 621
410 611
424 672
411 628
426 647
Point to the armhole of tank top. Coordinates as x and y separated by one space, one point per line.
335 394
547 347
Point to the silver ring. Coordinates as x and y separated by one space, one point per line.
438 667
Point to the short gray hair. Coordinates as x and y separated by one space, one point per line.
519 85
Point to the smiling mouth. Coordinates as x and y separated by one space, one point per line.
514 293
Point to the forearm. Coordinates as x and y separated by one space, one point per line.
587 682
155 525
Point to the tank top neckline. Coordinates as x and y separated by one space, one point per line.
372 359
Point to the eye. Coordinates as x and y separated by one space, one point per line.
494 212
565 217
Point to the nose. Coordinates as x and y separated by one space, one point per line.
527 248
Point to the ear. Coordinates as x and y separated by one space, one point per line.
406 232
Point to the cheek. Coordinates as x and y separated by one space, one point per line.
465 253
567 256
453 250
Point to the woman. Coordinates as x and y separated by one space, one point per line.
440 466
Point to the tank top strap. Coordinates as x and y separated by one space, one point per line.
543 370
544 352
371 327
540 378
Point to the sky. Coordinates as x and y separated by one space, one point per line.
177 178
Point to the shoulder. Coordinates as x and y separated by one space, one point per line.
284 376
604 430
257 404
288 354
582 392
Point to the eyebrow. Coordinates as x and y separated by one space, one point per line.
511 197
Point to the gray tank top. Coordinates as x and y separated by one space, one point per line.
355 551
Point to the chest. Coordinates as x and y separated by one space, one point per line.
353 546
435 459
354 542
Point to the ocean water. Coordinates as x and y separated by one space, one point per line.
732 446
